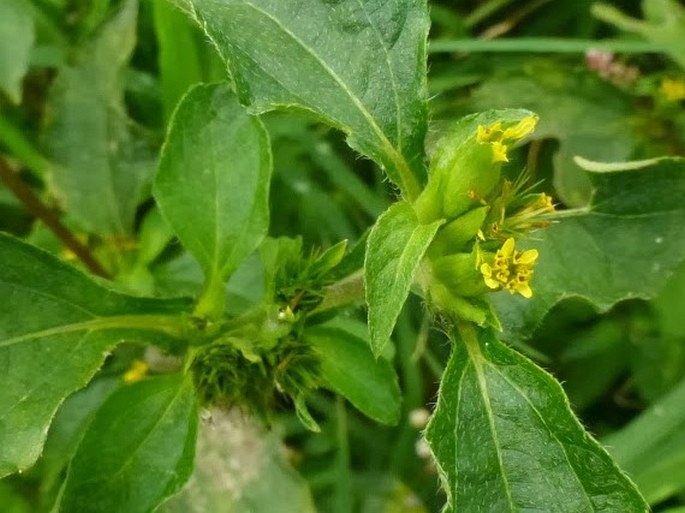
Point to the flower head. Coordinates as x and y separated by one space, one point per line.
511 269
497 136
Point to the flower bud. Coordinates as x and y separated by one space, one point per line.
454 236
460 274
468 309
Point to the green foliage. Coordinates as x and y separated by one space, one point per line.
139 141
17 32
48 356
394 250
137 450
503 421
90 138
372 387
652 447
366 76
664 24
212 185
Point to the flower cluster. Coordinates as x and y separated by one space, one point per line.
511 269
482 214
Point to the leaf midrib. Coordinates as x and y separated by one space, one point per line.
166 324
477 360
549 429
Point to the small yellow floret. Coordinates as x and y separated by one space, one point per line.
673 90
511 270
497 137
137 371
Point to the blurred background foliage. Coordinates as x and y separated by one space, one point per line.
91 84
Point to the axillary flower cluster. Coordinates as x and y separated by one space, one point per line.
484 214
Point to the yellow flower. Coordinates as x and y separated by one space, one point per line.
673 90
497 137
137 371
511 270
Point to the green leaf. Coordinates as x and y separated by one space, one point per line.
394 250
350 369
240 469
56 328
101 166
138 450
657 354
626 245
67 429
16 41
652 447
212 185
505 439
594 357
358 64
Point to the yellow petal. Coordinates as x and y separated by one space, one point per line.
493 284
521 129
527 257
507 248
525 290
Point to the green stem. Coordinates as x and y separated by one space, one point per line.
171 325
432 362
343 484
542 45
36 207
612 15
212 301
